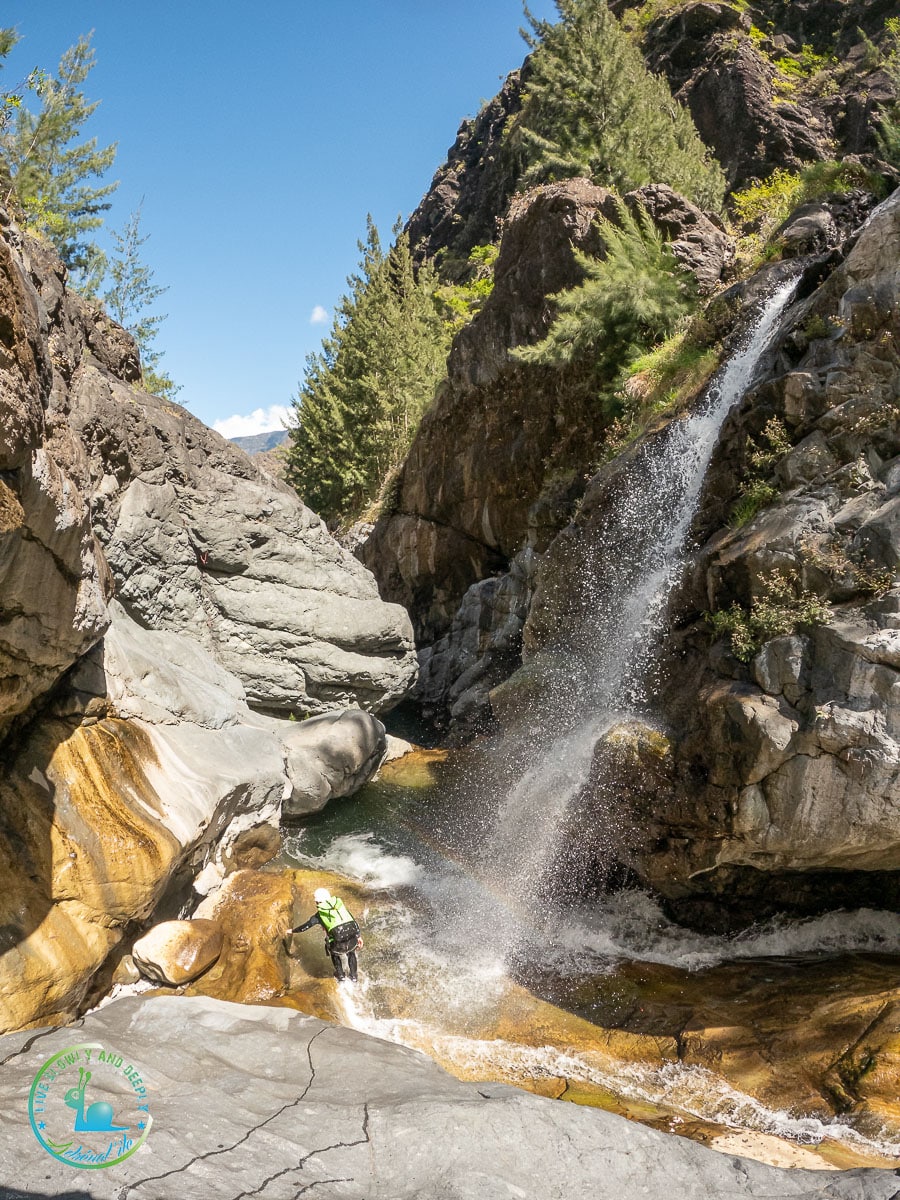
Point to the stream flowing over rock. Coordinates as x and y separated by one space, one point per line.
267 1102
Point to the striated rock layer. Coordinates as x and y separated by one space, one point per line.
172 774
136 741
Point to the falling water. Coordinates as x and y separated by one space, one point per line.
600 679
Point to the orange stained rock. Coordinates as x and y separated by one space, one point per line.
253 908
111 850
82 852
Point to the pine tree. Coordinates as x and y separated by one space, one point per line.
595 110
365 391
629 300
129 298
50 165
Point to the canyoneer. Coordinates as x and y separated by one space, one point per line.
342 936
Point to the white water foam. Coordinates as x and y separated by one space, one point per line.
684 1091
631 925
359 856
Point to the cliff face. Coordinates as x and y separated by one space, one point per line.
97 474
131 757
773 783
53 578
472 189
501 454
771 84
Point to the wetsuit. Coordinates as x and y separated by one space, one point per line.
333 939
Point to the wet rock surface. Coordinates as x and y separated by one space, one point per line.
271 1102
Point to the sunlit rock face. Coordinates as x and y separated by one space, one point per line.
172 775
731 79
53 579
175 952
202 542
94 471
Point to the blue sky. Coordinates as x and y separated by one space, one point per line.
259 137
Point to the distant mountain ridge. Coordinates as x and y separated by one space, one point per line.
258 443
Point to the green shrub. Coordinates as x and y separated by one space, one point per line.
757 492
815 328
664 378
754 497
781 609
762 207
459 302
889 126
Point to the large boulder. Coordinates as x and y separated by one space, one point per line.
331 756
176 952
202 542
329 1109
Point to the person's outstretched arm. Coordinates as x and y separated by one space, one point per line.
313 920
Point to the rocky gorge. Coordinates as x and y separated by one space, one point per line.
131 754
692 753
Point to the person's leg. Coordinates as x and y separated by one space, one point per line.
338 965
351 963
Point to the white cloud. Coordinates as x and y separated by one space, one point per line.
319 316
261 420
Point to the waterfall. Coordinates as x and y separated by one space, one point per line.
600 677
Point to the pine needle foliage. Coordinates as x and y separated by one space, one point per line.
129 299
595 110
888 134
51 165
629 301
365 391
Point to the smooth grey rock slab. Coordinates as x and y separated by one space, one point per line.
203 543
268 1103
